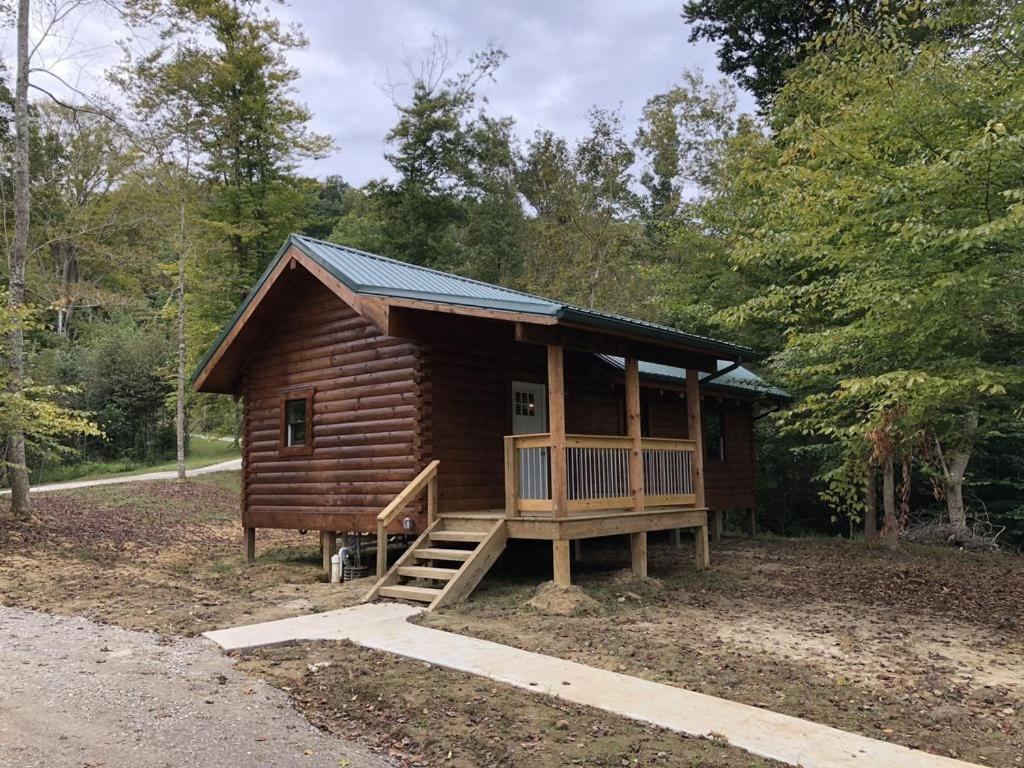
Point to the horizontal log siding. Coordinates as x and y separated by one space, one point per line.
472 412
728 484
367 425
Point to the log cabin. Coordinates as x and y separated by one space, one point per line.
384 397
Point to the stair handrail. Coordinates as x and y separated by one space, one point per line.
425 479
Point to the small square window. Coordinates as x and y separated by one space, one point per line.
297 422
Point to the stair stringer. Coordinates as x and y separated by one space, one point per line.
473 569
391 577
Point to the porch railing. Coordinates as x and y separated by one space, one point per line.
597 473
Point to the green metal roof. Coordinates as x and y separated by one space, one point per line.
369 274
738 379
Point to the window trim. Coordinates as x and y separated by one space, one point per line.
720 416
307 447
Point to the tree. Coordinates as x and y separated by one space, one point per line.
18 253
889 216
682 136
33 411
214 103
227 60
759 41
84 191
585 244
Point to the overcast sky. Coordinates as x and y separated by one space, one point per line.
564 56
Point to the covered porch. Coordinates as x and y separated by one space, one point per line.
564 487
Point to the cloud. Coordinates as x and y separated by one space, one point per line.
564 57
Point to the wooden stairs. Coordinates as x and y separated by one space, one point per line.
444 564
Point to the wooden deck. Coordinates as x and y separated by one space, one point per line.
593 524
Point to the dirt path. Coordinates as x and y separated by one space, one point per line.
74 693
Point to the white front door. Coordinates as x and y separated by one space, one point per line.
529 408
530 417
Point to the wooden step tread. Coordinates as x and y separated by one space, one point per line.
468 536
437 553
425 572
419 594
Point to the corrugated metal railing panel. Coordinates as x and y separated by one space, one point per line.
667 472
534 473
597 473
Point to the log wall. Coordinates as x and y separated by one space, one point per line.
367 430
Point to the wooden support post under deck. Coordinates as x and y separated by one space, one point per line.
701 556
560 554
638 551
696 430
249 547
633 427
752 522
556 428
715 522
328 547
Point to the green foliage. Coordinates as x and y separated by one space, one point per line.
221 82
122 369
36 410
759 41
889 215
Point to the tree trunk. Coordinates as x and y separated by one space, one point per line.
179 422
890 524
954 467
871 506
20 502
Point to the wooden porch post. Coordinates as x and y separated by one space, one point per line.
560 555
637 541
633 427
694 423
511 477
695 426
715 521
702 557
556 427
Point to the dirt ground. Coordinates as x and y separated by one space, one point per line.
423 715
922 646
160 556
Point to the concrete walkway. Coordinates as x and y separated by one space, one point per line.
386 627
172 474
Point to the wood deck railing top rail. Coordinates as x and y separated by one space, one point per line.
427 479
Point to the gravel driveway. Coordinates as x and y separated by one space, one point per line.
77 694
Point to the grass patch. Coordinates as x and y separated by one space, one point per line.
201 453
